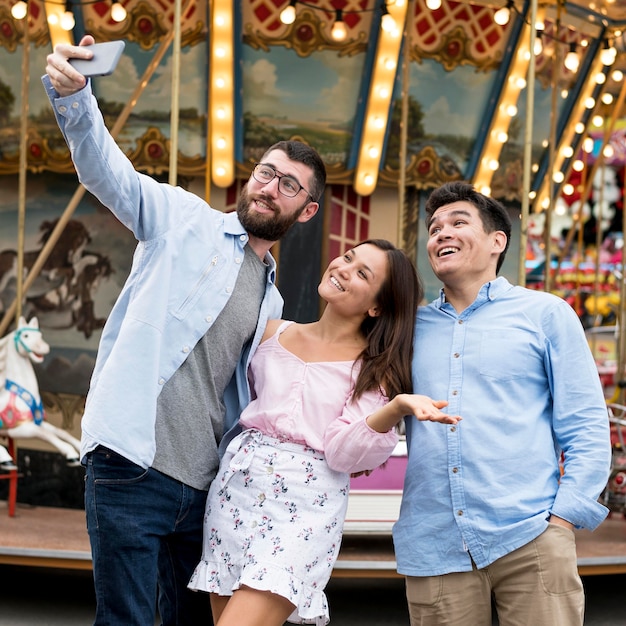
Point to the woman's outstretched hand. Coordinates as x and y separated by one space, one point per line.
423 407
428 410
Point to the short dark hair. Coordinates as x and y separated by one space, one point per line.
303 153
493 214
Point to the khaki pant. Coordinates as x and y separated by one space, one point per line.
536 585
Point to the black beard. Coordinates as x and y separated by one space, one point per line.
266 227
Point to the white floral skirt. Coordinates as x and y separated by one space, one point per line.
274 521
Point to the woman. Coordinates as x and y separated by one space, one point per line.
328 396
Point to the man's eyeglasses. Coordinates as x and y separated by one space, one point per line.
287 185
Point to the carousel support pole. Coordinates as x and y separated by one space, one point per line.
621 322
23 168
528 146
80 191
404 120
556 73
209 130
174 113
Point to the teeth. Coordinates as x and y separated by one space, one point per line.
335 282
447 250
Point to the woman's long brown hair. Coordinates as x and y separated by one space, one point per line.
386 360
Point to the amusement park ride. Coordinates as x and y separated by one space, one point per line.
524 98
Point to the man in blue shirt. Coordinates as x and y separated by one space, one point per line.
171 374
487 511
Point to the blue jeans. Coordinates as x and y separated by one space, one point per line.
145 530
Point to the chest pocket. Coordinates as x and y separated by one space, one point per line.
506 354
204 280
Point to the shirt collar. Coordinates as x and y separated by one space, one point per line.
233 226
489 291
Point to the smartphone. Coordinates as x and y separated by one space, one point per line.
104 60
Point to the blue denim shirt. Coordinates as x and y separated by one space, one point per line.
515 365
183 271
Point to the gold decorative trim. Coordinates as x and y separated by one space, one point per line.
68 405
456 49
12 30
306 35
425 170
146 24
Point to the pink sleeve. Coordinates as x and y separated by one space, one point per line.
350 444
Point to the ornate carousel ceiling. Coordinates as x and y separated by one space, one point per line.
442 90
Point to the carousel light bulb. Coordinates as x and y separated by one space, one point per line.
502 137
288 14
433 5
608 54
339 31
19 10
572 61
387 23
608 151
67 19
502 16
118 12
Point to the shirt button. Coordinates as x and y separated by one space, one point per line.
208 318
186 349
261 497
74 105
460 321
243 237
452 429
459 512
456 355
238 260
161 381
62 109
455 393
455 470
269 469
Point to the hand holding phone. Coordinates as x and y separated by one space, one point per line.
105 58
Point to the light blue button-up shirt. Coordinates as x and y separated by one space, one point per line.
515 365
183 271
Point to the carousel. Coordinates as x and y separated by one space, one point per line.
523 98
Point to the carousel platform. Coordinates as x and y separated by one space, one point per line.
57 538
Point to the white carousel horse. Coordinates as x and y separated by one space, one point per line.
21 409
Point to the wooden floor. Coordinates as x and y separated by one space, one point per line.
53 537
